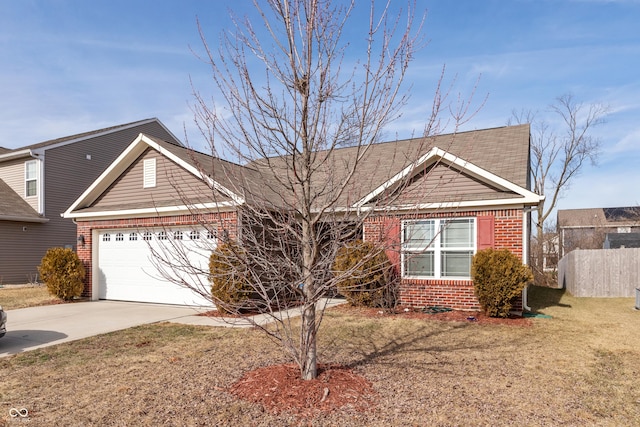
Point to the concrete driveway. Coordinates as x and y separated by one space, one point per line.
36 327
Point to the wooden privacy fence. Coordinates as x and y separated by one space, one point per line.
600 272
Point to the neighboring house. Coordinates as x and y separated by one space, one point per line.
588 228
39 182
472 186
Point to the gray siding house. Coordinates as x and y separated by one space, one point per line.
39 182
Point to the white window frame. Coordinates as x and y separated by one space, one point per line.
435 247
28 179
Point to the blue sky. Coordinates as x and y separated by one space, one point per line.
69 66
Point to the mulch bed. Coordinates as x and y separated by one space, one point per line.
280 389
435 313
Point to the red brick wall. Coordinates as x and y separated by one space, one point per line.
225 223
458 294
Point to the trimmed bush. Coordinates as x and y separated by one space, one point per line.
63 273
230 284
366 272
498 277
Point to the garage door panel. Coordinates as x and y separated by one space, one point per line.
129 270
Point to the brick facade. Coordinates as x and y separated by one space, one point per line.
225 224
458 294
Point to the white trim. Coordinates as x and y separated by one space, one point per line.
155 211
473 170
95 264
435 248
126 158
195 171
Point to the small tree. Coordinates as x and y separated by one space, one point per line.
63 273
498 277
558 153
299 201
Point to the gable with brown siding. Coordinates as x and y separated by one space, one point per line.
174 186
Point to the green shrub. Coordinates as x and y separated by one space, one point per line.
63 273
230 284
366 274
498 277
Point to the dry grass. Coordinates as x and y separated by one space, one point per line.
13 297
579 368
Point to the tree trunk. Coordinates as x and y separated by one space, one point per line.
309 365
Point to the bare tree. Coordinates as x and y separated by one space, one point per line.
558 153
300 129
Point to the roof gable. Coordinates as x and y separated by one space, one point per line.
102 195
449 180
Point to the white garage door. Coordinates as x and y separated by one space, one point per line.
130 271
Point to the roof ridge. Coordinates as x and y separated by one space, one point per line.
82 134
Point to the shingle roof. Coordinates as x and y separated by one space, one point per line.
78 136
502 151
599 217
13 206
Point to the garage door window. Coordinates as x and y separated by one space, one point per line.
133 237
194 235
106 237
147 235
119 237
177 235
162 235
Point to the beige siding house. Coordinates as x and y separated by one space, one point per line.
39 182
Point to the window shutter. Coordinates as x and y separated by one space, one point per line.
391 238
485 232
149 170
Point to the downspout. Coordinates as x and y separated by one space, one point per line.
526 215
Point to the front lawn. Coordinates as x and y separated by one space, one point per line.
13 297
578 368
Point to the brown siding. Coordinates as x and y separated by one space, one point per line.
67 174
128 190
443 184
20 251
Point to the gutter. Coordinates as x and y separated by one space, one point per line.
17 155
23 219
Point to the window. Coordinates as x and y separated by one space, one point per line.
147 235
106 237
162 235
119 237
31 178
438 248
133 236
194 235
177 235
149 171
210 235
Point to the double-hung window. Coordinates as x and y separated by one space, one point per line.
438 248
31 178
